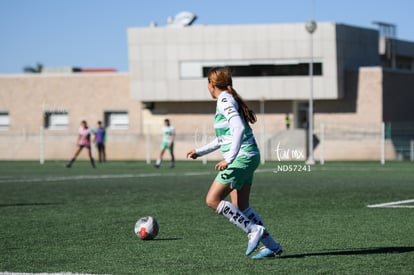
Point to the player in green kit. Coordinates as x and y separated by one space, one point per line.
167 143
235 139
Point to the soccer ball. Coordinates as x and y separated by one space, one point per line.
146 228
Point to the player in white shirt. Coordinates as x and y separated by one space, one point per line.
235 139
167 143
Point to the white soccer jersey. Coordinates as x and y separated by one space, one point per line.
168 133
234 136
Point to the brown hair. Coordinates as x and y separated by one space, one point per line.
221 78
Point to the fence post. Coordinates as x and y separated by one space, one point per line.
42 145
322 154
262 130
148 144
204 141
382 143
412 150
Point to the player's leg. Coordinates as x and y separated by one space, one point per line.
103 152
215 200
163 148
216 194
240 198
88 148
271 247
172 155
72 160
100 152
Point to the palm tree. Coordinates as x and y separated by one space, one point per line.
35 70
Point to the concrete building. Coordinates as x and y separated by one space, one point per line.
357 85
45 110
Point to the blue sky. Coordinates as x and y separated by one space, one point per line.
93 33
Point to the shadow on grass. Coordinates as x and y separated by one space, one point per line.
167 239
29 204
360 251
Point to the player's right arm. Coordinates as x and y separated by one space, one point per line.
192 154
208 148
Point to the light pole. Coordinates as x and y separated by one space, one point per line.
310 27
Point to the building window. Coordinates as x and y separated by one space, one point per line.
251 68
56 120
4 121
300 69
118 120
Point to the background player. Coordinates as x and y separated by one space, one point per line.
100 139
84 141
167 143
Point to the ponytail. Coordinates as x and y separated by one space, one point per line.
248 114
222 79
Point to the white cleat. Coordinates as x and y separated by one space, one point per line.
254 236
265 253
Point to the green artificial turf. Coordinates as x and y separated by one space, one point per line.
55 219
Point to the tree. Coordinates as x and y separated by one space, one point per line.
35 70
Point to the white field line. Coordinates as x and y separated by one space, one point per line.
395 204
359 168
79 177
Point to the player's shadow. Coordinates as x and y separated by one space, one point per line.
359 251
167 239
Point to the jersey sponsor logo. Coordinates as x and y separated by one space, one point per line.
224 100
224 176
229 110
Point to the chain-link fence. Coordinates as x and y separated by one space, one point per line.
332 141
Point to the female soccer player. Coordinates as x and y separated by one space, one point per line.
241 155
168 137
84 141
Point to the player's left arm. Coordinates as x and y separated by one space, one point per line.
237 130
230 110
